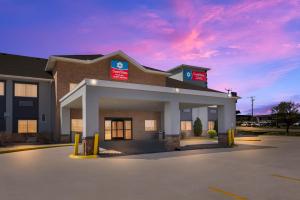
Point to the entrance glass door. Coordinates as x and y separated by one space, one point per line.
118 129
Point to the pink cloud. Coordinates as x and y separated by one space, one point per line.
258 81
259 38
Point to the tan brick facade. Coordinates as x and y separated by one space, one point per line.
66 72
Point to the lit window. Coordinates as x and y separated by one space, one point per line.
27 126
107 126
76 125
211 125
186 125
128 130
150 125
1 88
25 90
72 86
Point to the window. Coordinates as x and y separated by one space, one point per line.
72 86
211 125
27 126
118 129
76 125
128 130
1 88
150 125
25 90
186 125
107 126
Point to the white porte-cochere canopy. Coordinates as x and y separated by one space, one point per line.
90 95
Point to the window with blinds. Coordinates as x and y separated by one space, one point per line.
27 126
76 125
25 90
2 89
211 125
186 125
150 125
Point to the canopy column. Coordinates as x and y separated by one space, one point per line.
172 125
90 120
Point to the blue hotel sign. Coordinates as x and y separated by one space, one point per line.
119 70
187 74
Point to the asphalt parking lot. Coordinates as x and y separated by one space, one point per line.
267 170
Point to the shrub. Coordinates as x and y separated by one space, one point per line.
197 127
212 133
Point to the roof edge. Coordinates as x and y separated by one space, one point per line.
190 66
52 60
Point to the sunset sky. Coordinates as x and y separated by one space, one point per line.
251 46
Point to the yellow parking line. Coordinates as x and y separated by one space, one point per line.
229 194
286 177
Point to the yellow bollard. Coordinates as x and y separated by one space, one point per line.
76 145
229 137
96 144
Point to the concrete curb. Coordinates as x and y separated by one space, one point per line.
33 148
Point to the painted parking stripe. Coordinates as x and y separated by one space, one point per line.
286 177
228 194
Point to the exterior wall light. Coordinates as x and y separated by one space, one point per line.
177 90
93 81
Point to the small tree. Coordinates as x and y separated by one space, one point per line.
197 127
287 113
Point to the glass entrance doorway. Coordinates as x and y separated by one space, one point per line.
118 129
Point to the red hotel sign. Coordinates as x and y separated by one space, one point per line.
119 70
199 76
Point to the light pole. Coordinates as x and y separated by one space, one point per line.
252 98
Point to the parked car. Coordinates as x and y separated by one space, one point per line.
257 124
296 124
244 124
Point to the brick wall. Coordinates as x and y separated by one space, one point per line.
68 72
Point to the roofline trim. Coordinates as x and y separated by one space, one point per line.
194 67
53 59
25 77
143 87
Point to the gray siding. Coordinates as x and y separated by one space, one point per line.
9 105
212 114
45 104
45 107
186 114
